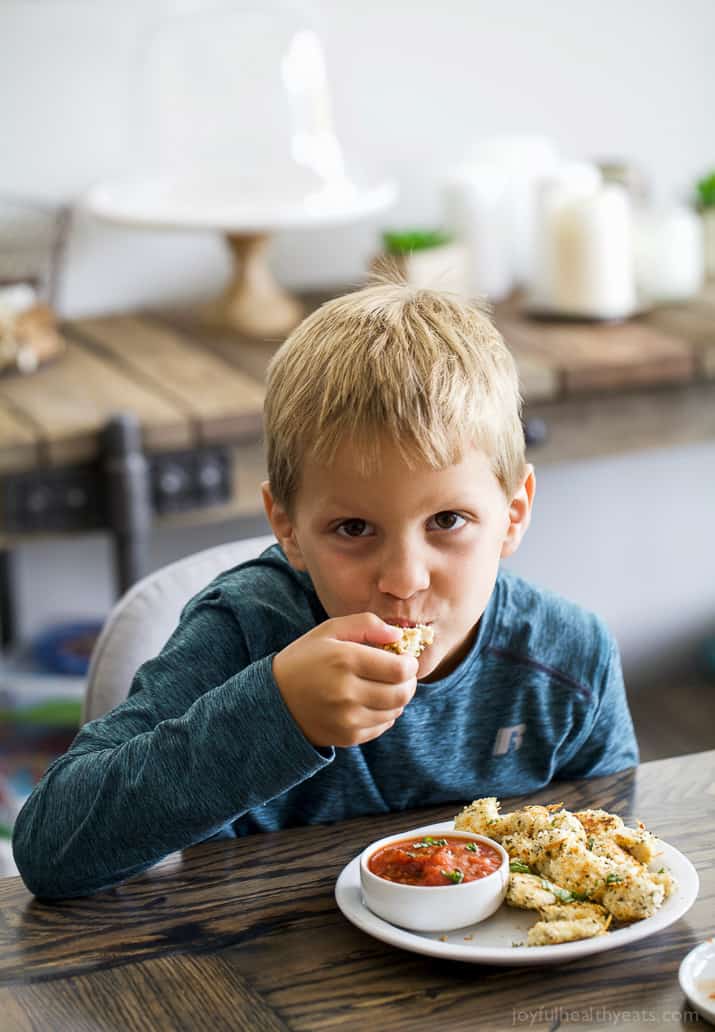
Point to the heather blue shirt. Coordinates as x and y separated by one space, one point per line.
205 745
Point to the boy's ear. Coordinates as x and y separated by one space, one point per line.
282 527
519 513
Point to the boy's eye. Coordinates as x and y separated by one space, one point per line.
446 520
356 528
352 528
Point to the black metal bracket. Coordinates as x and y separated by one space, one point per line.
74 498
188 480
48 500
118 493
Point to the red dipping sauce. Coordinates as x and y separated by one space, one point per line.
434 861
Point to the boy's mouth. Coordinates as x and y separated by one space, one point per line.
407 623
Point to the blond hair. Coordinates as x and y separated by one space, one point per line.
425 368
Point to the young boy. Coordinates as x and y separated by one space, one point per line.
397 482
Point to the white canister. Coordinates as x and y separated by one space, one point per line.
570 181
522 160
588 253
669 254
708 219
476 209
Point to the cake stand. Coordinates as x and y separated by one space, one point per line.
253 302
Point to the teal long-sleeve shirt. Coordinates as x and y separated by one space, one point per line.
204 744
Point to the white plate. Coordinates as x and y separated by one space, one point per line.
491 941
697 979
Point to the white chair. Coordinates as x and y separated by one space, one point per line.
143 619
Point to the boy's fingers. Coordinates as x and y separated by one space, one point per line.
374 664
385 667
364 628
372 717
389 698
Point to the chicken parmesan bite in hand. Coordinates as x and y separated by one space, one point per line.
413 642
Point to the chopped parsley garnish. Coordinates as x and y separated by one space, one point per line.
455 876
563 895
429 841
519 867
590 843
472 847
613 879
661 871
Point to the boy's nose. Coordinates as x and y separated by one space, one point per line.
402 575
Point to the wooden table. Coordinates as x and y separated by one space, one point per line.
246 935
196 394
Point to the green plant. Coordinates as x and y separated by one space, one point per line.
399 242
706 191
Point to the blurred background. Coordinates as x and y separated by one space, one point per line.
414 88
555 159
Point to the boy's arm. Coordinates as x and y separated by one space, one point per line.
198 742
607 743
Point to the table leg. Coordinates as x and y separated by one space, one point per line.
128 498
8 627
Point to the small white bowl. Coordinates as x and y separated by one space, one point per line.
697 979
434 908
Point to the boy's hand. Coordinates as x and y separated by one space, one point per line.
338 691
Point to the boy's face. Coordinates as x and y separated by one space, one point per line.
418 546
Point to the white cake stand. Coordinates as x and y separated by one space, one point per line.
253 302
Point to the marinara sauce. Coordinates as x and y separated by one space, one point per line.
434 861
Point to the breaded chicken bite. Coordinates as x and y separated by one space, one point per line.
555 827
483 818
527 892
606 846
639 842
573 912
550 933
413 642
666 879
632 895
521 847
598 822
578 869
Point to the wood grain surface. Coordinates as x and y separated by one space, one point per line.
249 354
693 321
587 358
246 935
191 384
19 448
221 402
67 403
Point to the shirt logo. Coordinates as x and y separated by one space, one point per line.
509 739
